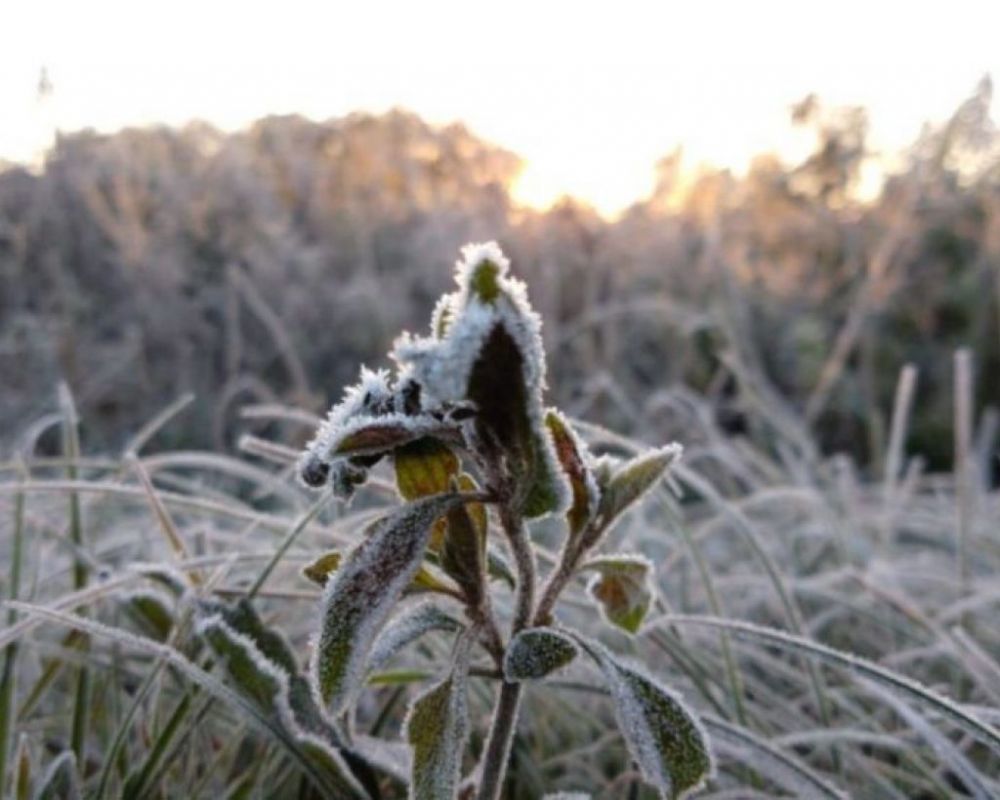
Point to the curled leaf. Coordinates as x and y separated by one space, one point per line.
362 593
571 453
536 652
621 587
463 549
664 738
376 436
629 481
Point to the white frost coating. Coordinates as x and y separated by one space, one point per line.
414 425
635 719
443 365
281 699
631 563
204 624
165 574
406 628
534 653
368 394
360 596
443 313
567 796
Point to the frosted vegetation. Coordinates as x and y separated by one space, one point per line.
446 587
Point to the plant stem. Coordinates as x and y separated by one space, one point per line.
524 561
497 752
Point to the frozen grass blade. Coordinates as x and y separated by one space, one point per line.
975 727
196 675
71 449
772 762
8 679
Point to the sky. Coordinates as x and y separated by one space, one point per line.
590 94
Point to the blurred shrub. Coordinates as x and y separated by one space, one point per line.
264 265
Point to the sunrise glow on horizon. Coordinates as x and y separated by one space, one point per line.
590 103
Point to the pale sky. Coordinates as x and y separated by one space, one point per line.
590 94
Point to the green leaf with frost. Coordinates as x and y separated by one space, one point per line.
631 480
409 626
463 549
360 596
151 611
621 587
261 664
498 568
664 738
437 728
255 677
427 578
537 652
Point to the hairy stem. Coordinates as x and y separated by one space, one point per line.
497 752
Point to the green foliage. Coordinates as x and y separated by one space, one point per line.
665 739
437 728
360 597
629 481
535 653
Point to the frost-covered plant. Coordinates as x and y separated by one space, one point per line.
476 455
